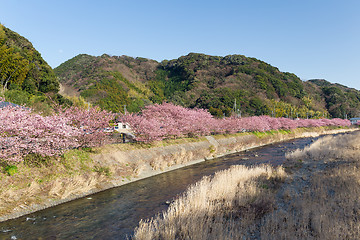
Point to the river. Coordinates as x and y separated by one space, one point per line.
114 213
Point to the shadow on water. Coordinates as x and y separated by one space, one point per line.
114 213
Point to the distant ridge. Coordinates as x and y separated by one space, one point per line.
204 81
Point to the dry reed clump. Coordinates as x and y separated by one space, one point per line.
328 209
329 148
225 206
322 203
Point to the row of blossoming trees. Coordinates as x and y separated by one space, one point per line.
157 122
24 132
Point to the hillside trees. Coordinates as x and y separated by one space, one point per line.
25 78
284 109
108 94
13 67
204 81
115 93
341 103
36 71
340 100
227 78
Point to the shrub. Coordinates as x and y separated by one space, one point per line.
10 169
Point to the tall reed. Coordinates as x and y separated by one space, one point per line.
218 207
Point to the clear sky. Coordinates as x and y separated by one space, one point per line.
311 38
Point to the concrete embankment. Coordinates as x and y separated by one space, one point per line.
125 163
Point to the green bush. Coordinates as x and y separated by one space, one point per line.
10 169
17 96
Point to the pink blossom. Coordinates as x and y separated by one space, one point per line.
163 121
23 132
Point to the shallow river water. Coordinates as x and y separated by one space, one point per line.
114 213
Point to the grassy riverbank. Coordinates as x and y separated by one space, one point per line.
219 207
42 182
313 196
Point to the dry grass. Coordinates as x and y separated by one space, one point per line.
325 201
224 206
37 182
345 147
328 209
319 200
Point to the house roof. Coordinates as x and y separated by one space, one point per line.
6 104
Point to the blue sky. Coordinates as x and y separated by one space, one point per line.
311 38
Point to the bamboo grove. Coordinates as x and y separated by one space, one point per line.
13 66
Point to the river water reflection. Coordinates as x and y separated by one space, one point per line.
114 213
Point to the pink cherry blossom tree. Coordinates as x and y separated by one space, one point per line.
164 121
90 124
24 132
160 121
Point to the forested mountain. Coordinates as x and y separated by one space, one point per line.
340 100
25 76
233 84
110 82
228 85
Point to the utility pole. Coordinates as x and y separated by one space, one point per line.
274 112
235 109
